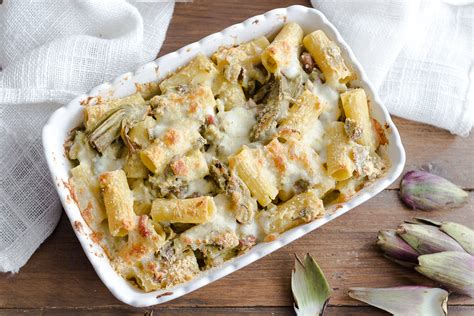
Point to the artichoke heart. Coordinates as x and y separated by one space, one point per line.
110 128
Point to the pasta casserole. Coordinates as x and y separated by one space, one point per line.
228 151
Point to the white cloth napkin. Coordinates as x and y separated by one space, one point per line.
418 54
50 51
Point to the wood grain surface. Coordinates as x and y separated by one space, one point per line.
59 280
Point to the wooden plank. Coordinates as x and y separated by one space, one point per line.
451 156
59 274
219 311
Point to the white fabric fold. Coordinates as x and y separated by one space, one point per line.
50 51
417 53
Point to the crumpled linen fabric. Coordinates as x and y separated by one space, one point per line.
51 51
418 54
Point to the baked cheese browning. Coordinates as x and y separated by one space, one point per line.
254 170
190 167
144 240
175 265
174 141
196 103
226 152
297 167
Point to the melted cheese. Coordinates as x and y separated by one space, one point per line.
330 96
293 161
314 137
235 125
108 161
223 217
200 187
251 229
292 68
159 129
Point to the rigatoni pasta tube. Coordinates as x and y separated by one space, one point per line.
199 71
327 56
139 132
254 48
355 107
236 61
194 211
118 200
339 163
282 54
303 113
244 54
302 208
230 93
195 103
134 167
251 168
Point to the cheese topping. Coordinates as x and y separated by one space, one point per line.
232 151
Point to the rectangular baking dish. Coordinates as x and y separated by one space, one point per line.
66 118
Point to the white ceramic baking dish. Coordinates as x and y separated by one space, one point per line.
64 119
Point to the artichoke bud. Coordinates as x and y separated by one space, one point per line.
396 249
426 239
405 300
453 269
462 234
426 191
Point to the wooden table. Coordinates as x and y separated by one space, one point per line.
59 279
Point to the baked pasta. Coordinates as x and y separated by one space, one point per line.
228 151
